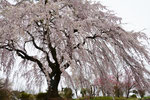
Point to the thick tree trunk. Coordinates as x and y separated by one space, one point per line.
53 84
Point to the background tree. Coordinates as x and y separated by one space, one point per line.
53 35
128 83
141 93
102 87
117 82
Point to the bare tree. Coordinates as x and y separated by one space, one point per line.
53 35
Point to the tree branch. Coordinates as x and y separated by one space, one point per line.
41 49
51 48
33 40
23 55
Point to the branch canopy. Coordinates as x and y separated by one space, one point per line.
82 35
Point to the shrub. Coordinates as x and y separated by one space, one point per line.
26 96
133 96
83 92
41 96
5 94
15 95
68 93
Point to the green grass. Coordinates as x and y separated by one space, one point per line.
146 98
107 98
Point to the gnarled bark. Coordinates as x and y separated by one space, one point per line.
53 86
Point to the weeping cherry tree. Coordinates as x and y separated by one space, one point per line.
54 35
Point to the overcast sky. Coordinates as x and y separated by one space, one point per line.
136 13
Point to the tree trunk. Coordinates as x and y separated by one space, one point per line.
53 83
127 94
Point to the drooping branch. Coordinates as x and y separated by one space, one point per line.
23 55
72 30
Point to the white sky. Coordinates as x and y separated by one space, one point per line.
135 13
